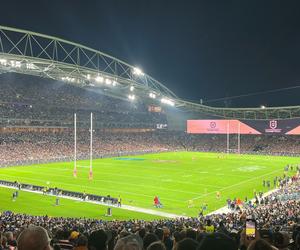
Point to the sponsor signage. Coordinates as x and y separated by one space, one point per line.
288 126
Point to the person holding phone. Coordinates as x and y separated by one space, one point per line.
248 234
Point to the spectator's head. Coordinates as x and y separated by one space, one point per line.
82 241
166 232
190 233
98 240
9 236
149 238
260 244
130 242
217 241
160 233
208 222
62 234
157 245
142 232
281 239
177 236
33 238
187 244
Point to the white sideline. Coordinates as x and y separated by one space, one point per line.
139 209
125 207
224 210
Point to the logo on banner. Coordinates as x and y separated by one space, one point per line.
212 127
273 127
273 124
213 124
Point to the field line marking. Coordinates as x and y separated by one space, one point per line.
124 207
137 176
237 184
118 182
101 189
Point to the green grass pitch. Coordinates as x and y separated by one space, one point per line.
175 177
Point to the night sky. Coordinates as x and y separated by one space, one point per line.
199 49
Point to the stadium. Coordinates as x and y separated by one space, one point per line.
87 139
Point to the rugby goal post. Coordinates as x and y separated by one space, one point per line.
238 132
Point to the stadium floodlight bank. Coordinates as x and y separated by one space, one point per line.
32 53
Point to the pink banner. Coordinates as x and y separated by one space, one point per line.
219 127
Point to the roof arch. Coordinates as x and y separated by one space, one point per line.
32 53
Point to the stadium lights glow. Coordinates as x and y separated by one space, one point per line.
30 66
131 88
114 83
131 97
99 79
15 64
262 106
152 95
3 62
108 81
88 76
137 71
167 101
68 79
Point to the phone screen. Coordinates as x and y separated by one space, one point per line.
250 228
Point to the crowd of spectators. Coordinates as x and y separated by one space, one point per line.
27 100
39 103
23 147
277 223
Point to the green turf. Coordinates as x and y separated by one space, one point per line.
38 204
175 177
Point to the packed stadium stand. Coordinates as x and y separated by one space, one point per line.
36 126
277 226
37 106
27 146
32 101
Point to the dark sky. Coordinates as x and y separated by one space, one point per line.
199 49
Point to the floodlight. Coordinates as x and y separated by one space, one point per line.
99 79
88 76
167 101
30 66
262 106
152 95
114 83
15 64
3 62
108 81
131 88
68 79
137 71
131 97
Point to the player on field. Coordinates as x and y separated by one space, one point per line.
190 203
119 201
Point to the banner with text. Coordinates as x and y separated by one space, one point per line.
256 127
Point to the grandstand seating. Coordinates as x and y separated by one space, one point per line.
36 119
277 224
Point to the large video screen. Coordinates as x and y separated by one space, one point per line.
287 127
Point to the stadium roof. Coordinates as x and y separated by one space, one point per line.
31 53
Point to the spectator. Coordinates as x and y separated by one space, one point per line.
157 245
130 242
33 238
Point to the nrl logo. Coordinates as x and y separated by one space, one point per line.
273 124
213 124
